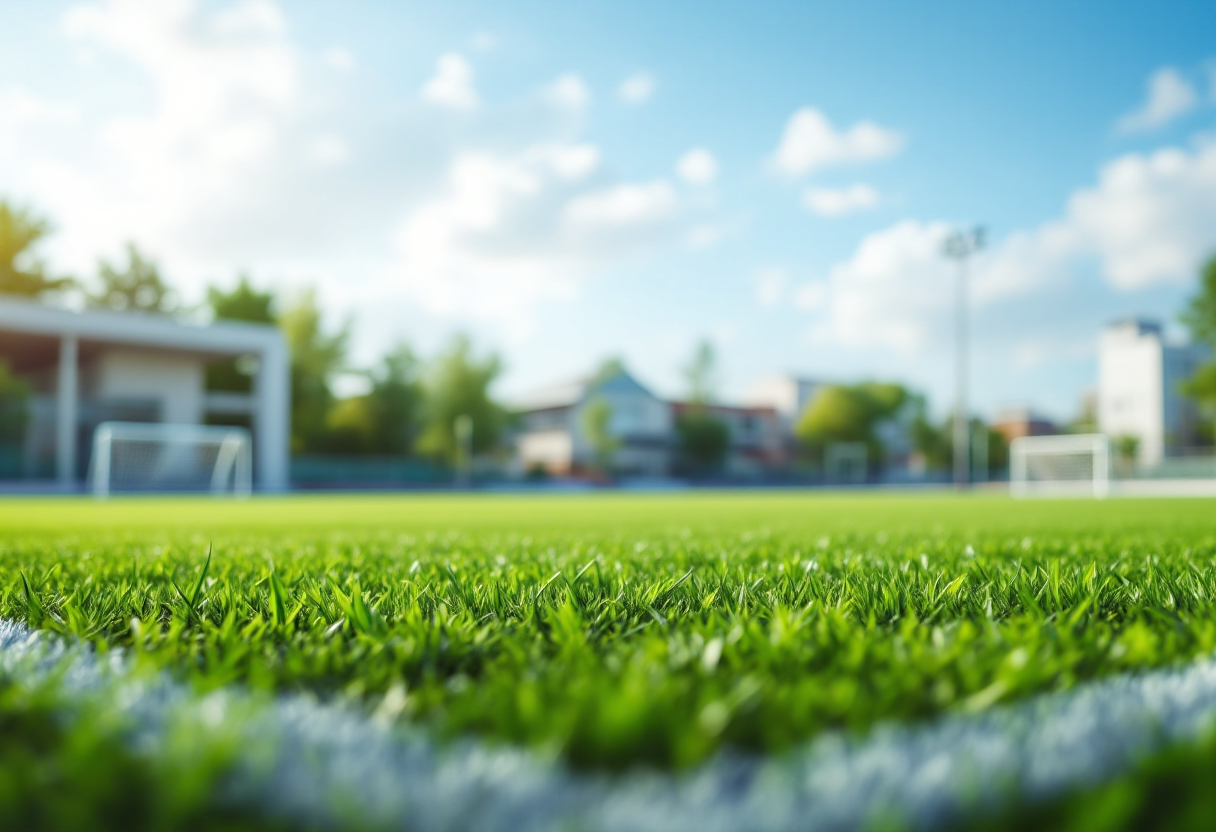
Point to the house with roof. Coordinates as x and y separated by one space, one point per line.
551 436
550 433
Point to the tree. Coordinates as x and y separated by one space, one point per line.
458 384
704 440
315 357
701 374
596 424
14 403
1200 318
136 287
395 402
20 272
841 413
243 303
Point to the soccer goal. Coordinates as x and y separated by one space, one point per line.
136 457
1076 465
844 463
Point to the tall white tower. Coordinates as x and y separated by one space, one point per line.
1139 376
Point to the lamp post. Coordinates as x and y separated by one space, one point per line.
960 246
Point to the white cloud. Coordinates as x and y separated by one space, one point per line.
510 234
568 92
811 142
770 285
452 84
1169 96
224 87
622 205
483 41
328 150
339 58
811 296
1150 219
829 202
697 167
637 88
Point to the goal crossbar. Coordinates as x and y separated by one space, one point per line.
230 462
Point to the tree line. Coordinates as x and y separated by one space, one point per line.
410 405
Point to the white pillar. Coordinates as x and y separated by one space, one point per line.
65 411
272 418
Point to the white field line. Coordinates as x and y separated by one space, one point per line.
302 759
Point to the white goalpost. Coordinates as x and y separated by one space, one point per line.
157 458
1077 465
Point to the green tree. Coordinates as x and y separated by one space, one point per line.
14 415
242 303
458 384
842 413
135 287
702 374
1200 318
704 440
21 273
394 404
597 429
316 356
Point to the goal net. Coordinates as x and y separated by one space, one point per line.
134 457
844 463
1060 466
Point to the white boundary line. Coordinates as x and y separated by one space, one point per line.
300 758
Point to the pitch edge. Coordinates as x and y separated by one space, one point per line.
301 759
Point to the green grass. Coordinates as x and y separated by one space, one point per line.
614 631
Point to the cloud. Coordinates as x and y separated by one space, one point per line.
568 92
811 296
771 283
452 84
1150 219
637 88
339 58
697 167
1169 96
810 142
511 233
829 202
328 150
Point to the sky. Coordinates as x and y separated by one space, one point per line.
572 181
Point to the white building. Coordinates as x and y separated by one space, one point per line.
788 395
85 368
1139 379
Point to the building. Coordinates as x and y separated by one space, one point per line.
551 436
787 395
1139 380
85 368
1017 422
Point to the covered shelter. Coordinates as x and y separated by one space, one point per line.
88 367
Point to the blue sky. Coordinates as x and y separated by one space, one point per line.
569 181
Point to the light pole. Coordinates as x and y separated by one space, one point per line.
960 246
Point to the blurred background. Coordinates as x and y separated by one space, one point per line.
533 244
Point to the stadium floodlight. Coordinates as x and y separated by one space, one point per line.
960 247
139 457
1060 466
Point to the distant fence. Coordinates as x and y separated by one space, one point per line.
332 471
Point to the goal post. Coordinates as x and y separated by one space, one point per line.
1071 465
142 457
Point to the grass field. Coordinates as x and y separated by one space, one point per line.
605 634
